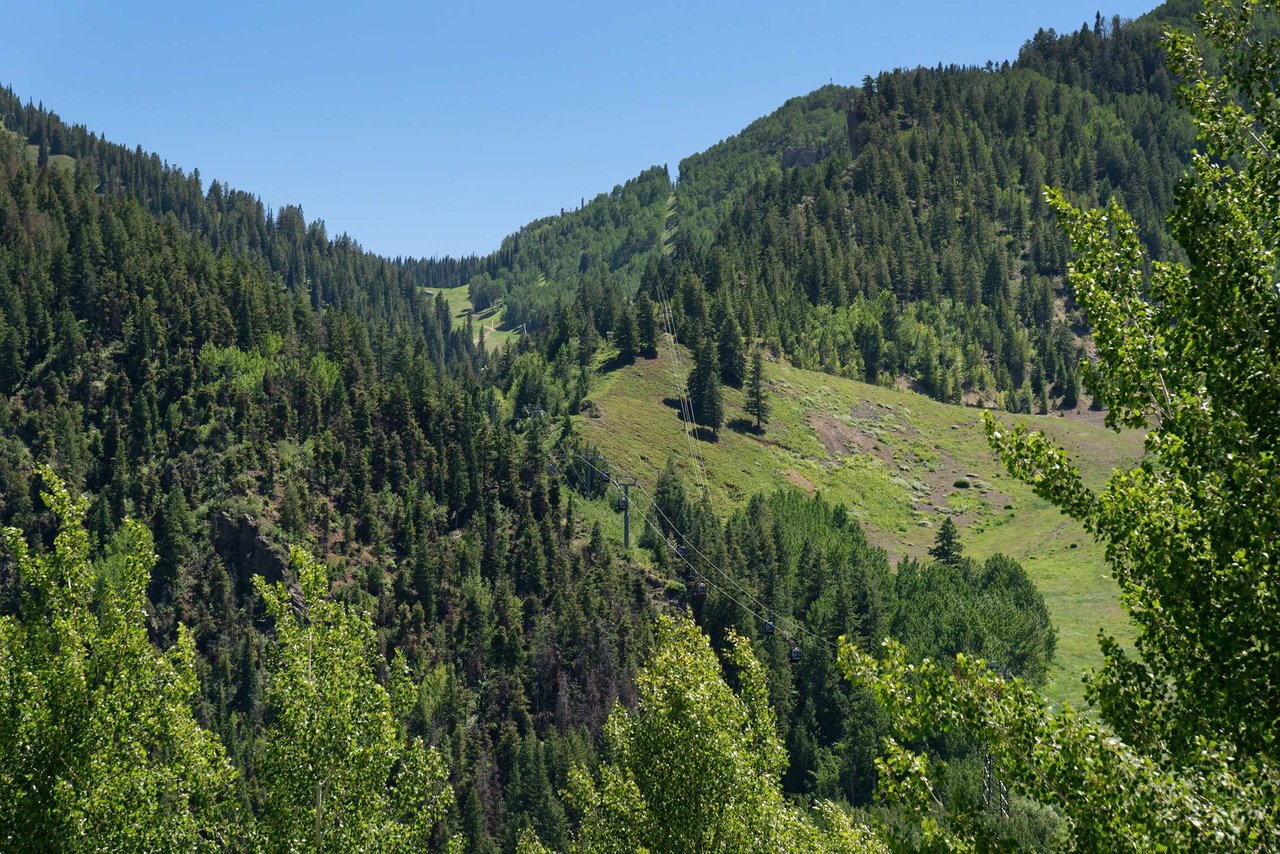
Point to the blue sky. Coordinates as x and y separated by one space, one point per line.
432 129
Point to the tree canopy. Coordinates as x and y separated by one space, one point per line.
697 766
1184 755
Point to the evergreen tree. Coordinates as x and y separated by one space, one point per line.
704 386
624 334
757 403
1071 389
946 545
646 326
729 349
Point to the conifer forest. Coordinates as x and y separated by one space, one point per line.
306 548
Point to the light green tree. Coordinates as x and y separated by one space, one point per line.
98 746
696 767
335 768
1184 755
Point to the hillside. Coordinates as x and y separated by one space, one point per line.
898 461
240 382
1104 84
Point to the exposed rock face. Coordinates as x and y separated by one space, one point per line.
247 551
793 156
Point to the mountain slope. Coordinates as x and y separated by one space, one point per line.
898 461
239 380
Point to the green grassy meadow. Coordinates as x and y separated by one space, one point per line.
491 319
899 461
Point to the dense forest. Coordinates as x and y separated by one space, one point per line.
893 231
339 550
202 392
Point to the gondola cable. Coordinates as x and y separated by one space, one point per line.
796 625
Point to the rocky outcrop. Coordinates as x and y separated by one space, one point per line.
247 551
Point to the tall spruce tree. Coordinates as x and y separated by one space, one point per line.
624 334
946 546
729 349
704 386
757 403
646 326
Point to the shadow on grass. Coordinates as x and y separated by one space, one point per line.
706 434
616 362
744 425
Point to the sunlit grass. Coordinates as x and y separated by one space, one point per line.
893 458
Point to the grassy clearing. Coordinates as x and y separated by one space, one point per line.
899 462
491 319
459 300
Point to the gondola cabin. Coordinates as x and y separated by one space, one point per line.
699 591
622 504
768 627
795 654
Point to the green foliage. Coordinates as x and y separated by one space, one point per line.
624 336
148 348
989 610
1193 353
1184 756
544 261
757 403
99 749
696 766
1114 796
731 353
922 248
646 326
703 386
946 546
336 771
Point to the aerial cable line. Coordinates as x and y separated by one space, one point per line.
682 393
684 538
707 581
770 616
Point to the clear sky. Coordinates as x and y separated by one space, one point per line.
431 129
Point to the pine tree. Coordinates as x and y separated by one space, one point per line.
946 546
704 387
1071 389
733 360
757 395
646 326
624 335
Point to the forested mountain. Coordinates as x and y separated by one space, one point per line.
238 382
197 390
921 251
892 231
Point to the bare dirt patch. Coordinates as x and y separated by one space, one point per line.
843 440
800 481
